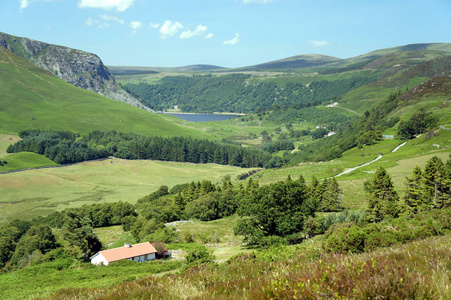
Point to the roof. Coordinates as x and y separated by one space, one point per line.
127 251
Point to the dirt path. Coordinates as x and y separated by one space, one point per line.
366 164
350 110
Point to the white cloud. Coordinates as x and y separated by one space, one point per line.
169 29
257 1
119 5
200 29
24 4
318 43
101 25
233 41
135 25
90 22
209 36
112 18
154 25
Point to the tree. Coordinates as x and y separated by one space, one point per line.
435 181
330 198
79 232
383 197
278 209
38 238
414 196
406 130
7 246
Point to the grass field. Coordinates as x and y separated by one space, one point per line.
28 194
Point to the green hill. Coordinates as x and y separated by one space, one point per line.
294 62
35 99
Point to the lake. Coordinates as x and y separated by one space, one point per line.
203 117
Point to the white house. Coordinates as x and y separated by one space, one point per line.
138 252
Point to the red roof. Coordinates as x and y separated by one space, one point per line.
128 251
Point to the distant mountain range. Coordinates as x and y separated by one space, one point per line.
310 62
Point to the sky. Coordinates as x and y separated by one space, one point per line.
227 33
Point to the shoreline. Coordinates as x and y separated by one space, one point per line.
189 113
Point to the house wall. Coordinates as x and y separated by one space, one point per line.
98 260
144 257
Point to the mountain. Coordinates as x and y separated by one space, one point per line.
294 62
79 68
130 70
33 98
414 53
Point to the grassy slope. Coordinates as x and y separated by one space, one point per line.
418 270
33 98
32 193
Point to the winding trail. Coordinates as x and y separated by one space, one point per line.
355 168
366 164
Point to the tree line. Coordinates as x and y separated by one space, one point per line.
64 147
203 200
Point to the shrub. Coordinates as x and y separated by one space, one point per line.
347 239
199 255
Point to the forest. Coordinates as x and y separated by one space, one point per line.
66 147
239 92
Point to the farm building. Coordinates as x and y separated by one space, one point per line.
138 252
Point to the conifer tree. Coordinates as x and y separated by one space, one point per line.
415 197
330 198
435 180
383 197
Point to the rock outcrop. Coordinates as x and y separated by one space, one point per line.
79 68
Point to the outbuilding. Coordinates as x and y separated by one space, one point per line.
138 252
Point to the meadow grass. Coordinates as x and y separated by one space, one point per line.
45 279
417 270
32 193
113 236
25 160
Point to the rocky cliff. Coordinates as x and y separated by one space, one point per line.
82 69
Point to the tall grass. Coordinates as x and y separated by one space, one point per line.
419 270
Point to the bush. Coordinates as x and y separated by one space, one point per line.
348 238
199 255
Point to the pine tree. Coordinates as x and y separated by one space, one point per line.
383 197
330 198
447 182
435 180
415 197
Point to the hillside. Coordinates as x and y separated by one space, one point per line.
82 69
35 98
358 83
294 62
421 53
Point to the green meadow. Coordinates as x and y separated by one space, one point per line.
38 192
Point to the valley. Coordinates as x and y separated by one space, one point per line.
304 185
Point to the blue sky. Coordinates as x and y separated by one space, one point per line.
229 33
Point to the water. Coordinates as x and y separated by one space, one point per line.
203 117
